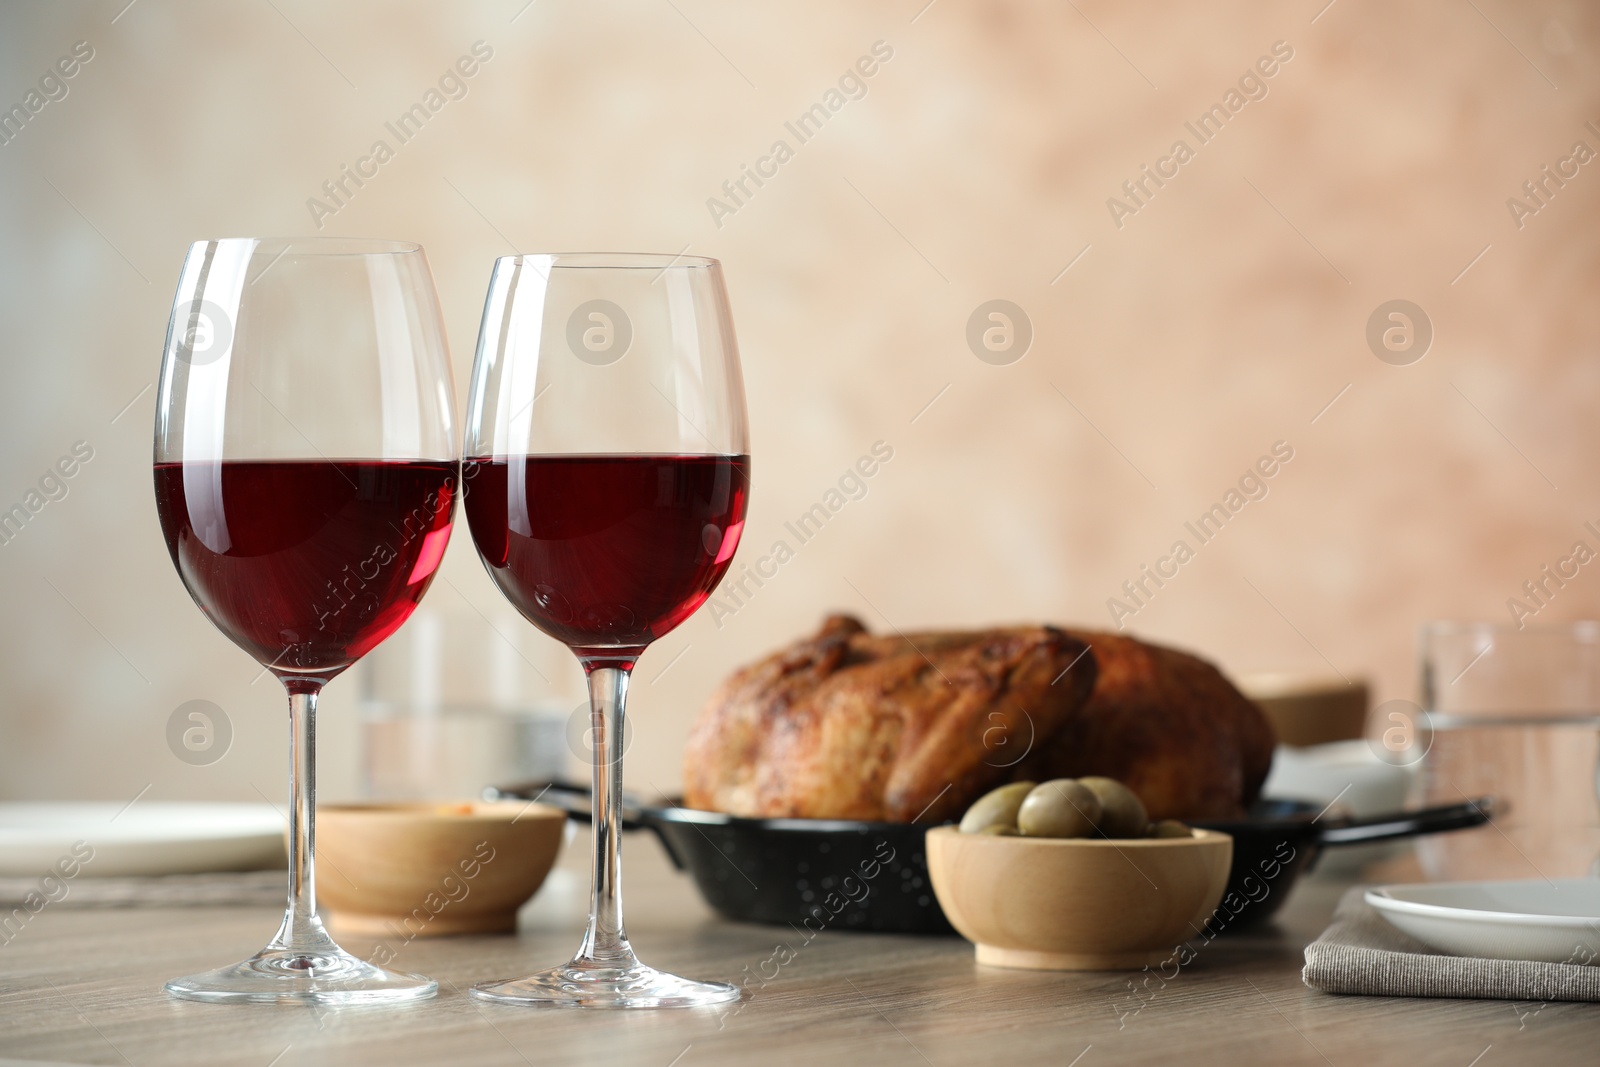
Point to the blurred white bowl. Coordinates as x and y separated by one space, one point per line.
1348 771
1349 776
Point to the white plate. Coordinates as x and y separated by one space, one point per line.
1553 922
149 837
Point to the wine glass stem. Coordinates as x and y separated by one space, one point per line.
301 928
606 942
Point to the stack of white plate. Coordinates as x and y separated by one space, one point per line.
144 838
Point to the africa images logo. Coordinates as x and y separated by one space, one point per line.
599 332
999 332
1399 332
205 334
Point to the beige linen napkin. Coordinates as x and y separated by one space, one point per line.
1361 953
164 891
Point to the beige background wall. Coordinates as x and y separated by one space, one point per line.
1224 316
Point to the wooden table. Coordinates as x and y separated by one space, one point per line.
84 986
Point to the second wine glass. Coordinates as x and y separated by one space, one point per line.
606 475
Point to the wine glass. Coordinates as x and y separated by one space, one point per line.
305 474
604 478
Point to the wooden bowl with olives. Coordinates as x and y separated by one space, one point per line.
1070 875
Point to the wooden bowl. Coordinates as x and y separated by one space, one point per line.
420 870
1309 709
1081 904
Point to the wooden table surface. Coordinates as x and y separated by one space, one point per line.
84 986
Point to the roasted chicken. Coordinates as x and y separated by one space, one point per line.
914 727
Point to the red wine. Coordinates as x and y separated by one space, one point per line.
606 552
306 564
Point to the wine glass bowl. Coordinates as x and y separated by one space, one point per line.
610 569
605 481
305 477
306 589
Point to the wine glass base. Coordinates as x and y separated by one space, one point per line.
324 976
586 985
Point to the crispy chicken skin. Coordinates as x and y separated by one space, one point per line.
913 728
845 725
1166 724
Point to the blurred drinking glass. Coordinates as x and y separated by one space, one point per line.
456 702
1513 714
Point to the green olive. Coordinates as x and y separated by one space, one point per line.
1059 808
1122 812
996 810
1170 828
999 831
